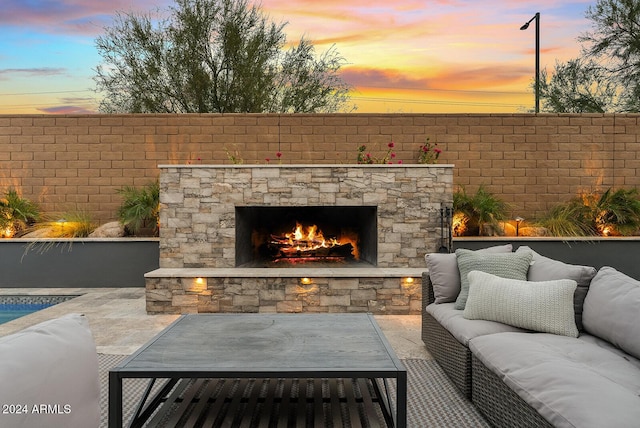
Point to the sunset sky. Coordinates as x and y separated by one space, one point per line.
403 56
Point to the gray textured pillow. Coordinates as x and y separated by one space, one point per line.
545 306
505 265
545 269
612 309
444 273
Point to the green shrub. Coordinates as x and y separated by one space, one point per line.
483 211
140 209
17 214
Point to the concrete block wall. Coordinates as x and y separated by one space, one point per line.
77 162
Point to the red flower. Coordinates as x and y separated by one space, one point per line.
391 145
279 154
400 161
437 151
393 155
267 159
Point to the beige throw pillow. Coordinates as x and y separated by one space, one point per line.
545 306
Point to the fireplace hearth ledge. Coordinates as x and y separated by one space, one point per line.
369 272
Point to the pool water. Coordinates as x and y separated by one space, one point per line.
11 311
12 307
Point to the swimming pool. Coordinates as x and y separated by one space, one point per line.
12 307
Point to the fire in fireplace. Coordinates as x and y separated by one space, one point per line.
318 235
308 243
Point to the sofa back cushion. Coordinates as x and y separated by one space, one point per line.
612 309
444 273
545 269
53 364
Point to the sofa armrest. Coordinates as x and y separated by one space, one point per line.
427 290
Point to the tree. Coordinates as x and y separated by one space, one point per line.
606 75
220 56
578 87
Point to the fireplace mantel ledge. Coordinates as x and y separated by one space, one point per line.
307 166
369 272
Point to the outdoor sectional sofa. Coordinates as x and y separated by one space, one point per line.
538 342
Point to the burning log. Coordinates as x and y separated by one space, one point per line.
308 245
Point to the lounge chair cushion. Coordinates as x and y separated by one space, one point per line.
50 375
612 309
569 381
444 273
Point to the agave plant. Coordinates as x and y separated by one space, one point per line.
140 208
482 210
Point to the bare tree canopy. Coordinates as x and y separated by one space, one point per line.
213 56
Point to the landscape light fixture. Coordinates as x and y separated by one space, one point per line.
524 27
518 221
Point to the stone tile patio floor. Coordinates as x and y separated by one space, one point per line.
120 324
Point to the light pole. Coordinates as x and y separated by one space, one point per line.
524 27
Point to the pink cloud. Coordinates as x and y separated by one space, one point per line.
66 109
86 17
8 73
378 78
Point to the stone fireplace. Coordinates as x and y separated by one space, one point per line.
233 238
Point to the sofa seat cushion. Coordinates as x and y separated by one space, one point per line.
569 381
52 364
464 329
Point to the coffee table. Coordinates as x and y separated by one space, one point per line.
350 348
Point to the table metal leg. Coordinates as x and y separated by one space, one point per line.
115 400
401 400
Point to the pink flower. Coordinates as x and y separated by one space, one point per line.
437 151
391 145
393 155
400 161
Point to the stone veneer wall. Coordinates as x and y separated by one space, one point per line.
197 215
177 291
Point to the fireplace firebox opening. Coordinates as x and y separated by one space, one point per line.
344 236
